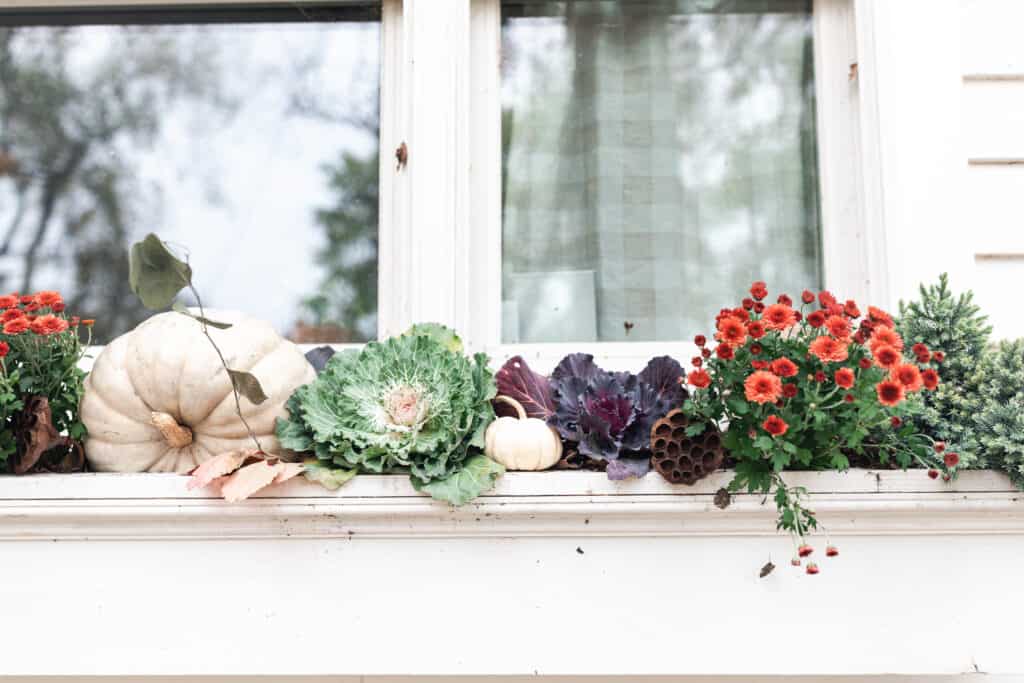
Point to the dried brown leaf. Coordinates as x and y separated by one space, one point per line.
217 466
250 479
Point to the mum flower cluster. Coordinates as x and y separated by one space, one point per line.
809 387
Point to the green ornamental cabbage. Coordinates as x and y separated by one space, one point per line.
412 404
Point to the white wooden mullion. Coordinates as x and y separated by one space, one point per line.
430 221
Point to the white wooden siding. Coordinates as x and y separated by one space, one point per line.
992 68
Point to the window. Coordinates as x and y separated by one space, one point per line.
657 156
593 175
248 136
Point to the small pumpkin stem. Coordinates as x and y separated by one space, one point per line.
515 404
176 435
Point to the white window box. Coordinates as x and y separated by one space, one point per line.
552 573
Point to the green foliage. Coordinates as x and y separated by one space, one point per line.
954 325
999 420
156 275
409 403
476 475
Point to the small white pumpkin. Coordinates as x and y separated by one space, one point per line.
522 443
159 400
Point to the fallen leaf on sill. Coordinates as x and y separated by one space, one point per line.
767 569
249 480
217 466
287 471
722 498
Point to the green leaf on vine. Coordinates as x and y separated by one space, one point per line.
247 385
156 275
179 307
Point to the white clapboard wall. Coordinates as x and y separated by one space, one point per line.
992 54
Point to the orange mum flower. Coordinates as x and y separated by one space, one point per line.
762 387
784 367
779 317
755 328
889 392
879 316
829 349
838 327
850 308
16 326
775 425
887 356
8 301
48 298
699 378
930 379
845 378
908 375
886 335
731 331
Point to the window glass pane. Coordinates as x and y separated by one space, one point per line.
249 139
658 156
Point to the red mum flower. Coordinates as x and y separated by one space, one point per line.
930 379
807 297
74 321
819 377
32 307
700 340
11 314
775 425
939 446
755 328
920 349
16 326
798 315
784 367
741 314
4 349
804 550
779 317
826 299
699 378
883 334
838 327
831 551
828 349
934 474
890 393
887 356
732 332
785 300
57 307
759 290
938 356
864 363
748 303
895 421
816 319
8 301
789 390
762 387
760 364
696 361
705 352
908 375
859 337
879 316
849 398
845 378
951 459
26 300
759 307
756 349
724 351
850 308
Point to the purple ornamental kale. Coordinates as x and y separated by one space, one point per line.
610 414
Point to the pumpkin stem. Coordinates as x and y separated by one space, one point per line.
176 435
515 404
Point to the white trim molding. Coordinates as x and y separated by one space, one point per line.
523 505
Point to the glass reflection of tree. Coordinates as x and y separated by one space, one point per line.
67 197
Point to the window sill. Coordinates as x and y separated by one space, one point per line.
523 504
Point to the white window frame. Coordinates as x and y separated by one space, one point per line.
440 215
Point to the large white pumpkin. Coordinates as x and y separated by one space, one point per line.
159 400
